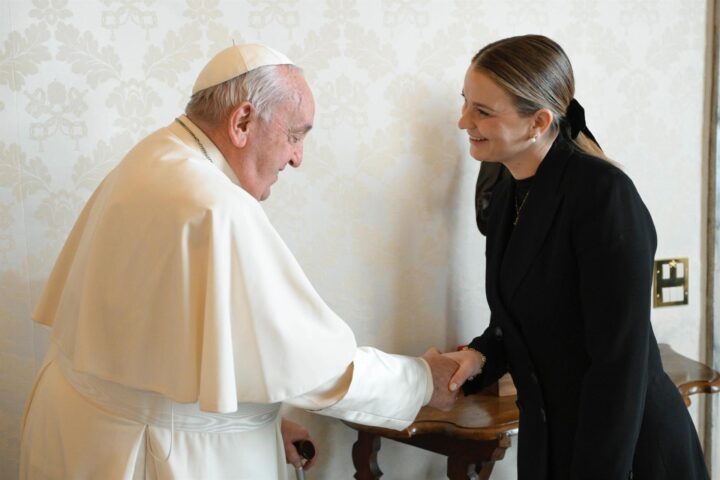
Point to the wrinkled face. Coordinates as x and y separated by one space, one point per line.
496 131
279 141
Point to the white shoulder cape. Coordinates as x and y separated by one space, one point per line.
173 280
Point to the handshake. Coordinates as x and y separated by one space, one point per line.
449 372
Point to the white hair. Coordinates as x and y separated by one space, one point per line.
264 87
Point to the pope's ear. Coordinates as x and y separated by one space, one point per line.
239 123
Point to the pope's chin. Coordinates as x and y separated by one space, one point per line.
265 194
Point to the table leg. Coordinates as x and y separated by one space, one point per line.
475 463
458 468
498 453
486 470
364 453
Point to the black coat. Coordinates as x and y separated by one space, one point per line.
569 295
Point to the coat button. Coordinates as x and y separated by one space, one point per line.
534 378
498 332
542 415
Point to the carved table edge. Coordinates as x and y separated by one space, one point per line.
428 428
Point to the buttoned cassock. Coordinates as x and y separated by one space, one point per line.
569 294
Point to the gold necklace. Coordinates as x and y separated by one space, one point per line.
518 208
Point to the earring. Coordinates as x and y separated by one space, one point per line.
533 139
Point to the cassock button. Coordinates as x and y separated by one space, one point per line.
534 378
542 415
498 332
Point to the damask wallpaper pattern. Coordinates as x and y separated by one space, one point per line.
380 214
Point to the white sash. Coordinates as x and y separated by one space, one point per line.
153 409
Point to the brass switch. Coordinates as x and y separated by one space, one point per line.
671 282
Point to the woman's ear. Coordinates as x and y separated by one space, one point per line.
542 120
239 123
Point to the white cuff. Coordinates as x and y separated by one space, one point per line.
430 386
386 390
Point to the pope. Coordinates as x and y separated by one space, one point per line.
180 319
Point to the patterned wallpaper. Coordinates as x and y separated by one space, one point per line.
380 214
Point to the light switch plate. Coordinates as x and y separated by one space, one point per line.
670 282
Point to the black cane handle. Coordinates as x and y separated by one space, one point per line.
305 448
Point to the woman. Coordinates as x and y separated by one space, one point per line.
570 247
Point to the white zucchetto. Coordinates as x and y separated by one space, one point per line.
236 60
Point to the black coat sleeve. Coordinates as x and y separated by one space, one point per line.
491 345
614 243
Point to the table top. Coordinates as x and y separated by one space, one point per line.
486 416
690 376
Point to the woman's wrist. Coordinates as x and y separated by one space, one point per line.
480 360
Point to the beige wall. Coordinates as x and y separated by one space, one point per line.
380 215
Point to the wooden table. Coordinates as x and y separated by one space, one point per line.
690 376
476 433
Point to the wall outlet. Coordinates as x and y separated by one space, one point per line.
671 282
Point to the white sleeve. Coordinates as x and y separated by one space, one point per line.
377 389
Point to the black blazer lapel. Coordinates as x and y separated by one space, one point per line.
536 218
500 228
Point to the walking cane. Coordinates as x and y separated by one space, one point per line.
306 449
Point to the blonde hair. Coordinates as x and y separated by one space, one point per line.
537 74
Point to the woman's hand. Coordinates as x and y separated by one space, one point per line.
293 432
471 363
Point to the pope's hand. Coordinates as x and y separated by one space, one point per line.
442 370
293 432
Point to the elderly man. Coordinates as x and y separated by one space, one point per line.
180 319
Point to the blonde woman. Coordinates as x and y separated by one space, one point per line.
570 247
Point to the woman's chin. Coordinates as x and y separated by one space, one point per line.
479 157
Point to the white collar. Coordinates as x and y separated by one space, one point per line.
213 153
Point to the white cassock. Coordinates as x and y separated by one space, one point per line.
181 322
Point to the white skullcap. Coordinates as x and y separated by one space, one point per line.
236 60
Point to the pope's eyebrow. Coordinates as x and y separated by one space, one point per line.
304 129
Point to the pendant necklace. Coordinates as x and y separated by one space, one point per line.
202 148
518 208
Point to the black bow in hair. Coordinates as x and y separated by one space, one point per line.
575 116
